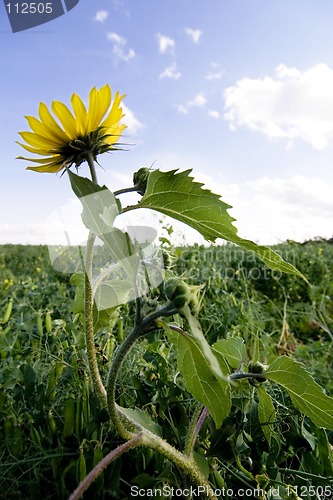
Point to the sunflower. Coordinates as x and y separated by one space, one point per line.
77 137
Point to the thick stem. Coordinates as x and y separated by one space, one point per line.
186 464
88 307
98 469
141 327
91 163
111 383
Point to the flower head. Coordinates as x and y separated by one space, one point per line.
87 132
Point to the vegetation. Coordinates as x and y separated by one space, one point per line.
56 429
209 403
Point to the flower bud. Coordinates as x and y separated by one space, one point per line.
257 368
180 293
140 179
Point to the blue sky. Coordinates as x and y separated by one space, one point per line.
240 91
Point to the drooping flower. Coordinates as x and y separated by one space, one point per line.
77 136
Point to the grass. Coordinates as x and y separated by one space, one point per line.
47 448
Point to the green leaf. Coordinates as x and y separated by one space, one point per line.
83 186
179 196
233 349
141 418
266 413
204 374
305 393
103 315
100 209
112 294
99 205
77 306
324 451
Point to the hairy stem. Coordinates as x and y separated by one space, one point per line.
196 423
98 469
88 307
111 383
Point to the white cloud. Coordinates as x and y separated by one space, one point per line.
171 72
216 72
132 122
299 192
194 35
182 108
214 114
117 39
199 101
272 210
119 47
214 75
291 104
101 15
165 43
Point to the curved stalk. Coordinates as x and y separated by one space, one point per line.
120 355
126 190
88 306
196 423
128 428
98 469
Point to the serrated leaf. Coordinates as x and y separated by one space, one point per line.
205 376
305 393
233 349
177 195
266 413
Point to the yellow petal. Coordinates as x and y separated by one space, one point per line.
116 113
40 129
114 134
47 168
51 124
37 140
42 152
66 118
53 159
80 113
99 103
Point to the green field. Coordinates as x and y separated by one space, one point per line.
52 425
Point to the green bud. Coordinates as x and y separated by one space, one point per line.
140 179
180 293
256 367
